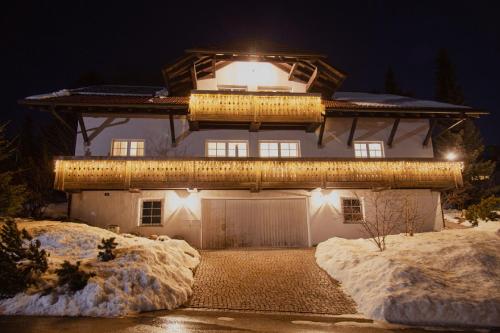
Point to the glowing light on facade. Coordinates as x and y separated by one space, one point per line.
256 107
226 173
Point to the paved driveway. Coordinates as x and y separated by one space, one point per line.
281 280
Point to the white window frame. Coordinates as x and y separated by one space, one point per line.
231 87
141 203
279 142
367 146
129 141
226 147
361 206
274 88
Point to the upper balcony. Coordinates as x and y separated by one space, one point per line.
255 109
94 173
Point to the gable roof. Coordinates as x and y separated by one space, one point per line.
309 68
130 100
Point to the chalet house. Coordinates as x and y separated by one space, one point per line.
248 149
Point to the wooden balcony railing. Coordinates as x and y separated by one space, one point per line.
255 107
84 173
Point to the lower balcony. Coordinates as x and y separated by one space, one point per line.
111 173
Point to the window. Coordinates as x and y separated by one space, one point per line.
151 212
227 149
279 149
352 210
230 87
368 149
127 148
274 88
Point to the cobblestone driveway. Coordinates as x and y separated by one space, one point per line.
284 280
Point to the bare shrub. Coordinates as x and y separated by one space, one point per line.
385 219
413 215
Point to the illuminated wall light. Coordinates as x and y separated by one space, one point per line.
451 156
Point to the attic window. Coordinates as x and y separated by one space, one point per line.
274 88
230 87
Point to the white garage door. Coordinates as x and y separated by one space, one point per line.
254 223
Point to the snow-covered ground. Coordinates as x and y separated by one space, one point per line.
146 274
449 278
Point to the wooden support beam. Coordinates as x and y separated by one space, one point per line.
312 127
194 79
312 80
322 132
292 70
172 128
255 126
353 129
393 132
450 127
83 129
64 122
428 136
194 126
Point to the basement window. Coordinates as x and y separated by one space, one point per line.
367 149
151 212
279 149
125 147
352 210
226 148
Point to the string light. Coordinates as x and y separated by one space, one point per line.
204 106
196 173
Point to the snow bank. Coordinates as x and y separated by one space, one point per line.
450 277
146 274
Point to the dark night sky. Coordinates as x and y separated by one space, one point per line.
47 45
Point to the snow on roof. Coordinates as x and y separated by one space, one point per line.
381 100
59 93
107 90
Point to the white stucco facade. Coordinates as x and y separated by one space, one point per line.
182 214
155 131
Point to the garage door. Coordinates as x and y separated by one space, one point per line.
254 223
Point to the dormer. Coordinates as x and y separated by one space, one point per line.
241 71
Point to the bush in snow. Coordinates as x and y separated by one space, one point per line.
72 276
21 260
384 221
412 215
108 245
484 210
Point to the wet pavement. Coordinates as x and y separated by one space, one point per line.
193 320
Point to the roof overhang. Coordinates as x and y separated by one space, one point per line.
312 69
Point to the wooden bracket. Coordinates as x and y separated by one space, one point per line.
353 129
393 132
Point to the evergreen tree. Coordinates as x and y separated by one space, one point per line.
390 85
464 140
447 88
34 161
21 260
108 245
12 196
71 276
467 143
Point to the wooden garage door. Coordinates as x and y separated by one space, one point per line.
254 223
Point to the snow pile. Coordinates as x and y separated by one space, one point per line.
450 277
146 274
